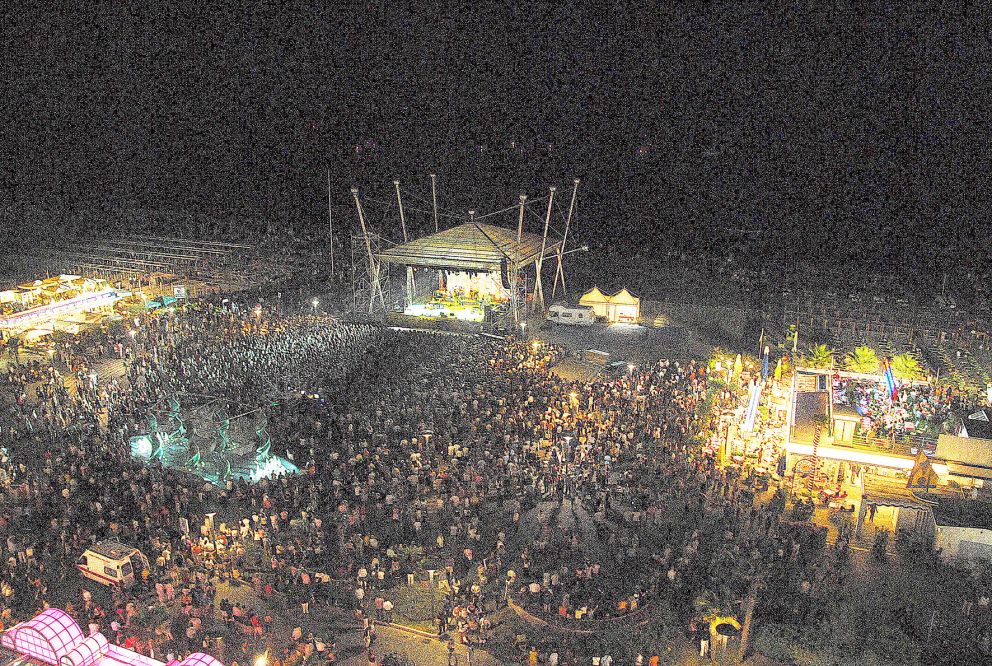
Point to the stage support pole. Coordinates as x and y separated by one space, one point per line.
561 269
515 275
399 201
411 288
375 289
538 289
330 222
520 221
434 197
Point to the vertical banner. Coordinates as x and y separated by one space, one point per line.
890 380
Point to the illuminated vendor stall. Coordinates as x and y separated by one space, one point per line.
469 272
45 316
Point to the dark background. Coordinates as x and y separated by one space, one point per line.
857 137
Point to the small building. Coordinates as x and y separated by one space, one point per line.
964 463
962 530
975 424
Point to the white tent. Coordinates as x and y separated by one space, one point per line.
597 300
626 307
620 307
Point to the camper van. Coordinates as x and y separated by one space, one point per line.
573 315
111 563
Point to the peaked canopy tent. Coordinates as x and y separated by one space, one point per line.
620 307
475 263
597 300
626 306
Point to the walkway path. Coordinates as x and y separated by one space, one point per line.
340 626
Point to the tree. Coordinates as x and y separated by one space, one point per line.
905 366
863 359
819 356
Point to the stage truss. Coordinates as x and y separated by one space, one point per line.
369 277
370 273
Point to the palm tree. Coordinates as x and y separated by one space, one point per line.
905 366
819 356
863 359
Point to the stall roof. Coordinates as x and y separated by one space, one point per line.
471 246
960 512
808 405
977 424
624 297
964 450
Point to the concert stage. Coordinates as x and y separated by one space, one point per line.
473 272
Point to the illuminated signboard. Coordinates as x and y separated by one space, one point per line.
69 306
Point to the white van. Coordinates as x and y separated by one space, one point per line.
111 563
572 315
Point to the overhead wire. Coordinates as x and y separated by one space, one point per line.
440 209
417 210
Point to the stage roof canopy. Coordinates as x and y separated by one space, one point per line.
471 247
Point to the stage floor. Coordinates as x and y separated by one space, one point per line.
474 313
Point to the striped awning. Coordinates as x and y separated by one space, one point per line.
895 494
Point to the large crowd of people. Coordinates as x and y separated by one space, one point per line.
922 409
458 462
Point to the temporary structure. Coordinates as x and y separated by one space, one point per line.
597 300
620 307
626 307
54 638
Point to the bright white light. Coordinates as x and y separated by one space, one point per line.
143 447
852 456
273 466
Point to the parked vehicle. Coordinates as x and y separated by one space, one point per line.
572 315
111 563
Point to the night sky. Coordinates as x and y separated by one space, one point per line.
859 135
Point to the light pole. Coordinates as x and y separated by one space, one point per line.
567 439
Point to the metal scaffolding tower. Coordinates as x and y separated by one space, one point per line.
369 280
